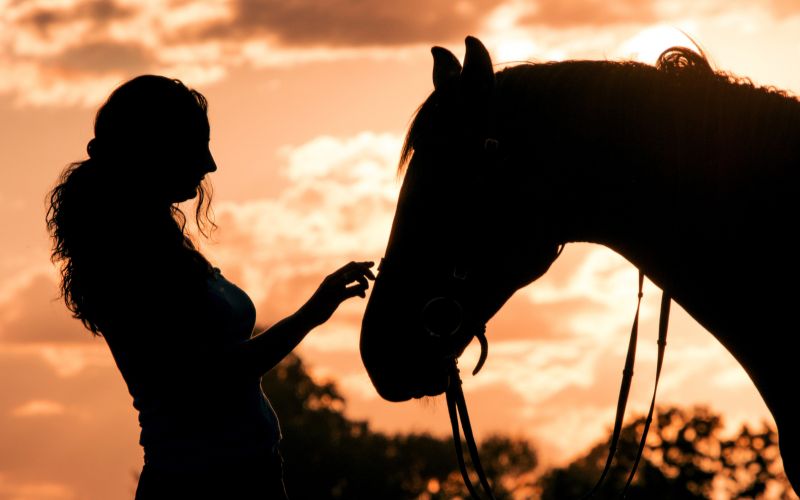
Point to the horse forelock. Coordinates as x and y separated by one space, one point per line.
416 131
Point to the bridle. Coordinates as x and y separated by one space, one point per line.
451 341
455 336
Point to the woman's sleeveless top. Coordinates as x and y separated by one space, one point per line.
191 415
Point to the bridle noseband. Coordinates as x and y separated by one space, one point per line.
451 342
456 403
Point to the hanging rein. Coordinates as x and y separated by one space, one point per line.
461 327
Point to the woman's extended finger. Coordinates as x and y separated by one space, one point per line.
359 289
359 267
361 280
365 267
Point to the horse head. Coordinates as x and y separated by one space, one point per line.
455 253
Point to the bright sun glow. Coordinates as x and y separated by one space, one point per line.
507 42
512 50
649 43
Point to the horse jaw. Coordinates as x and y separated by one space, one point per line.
392 353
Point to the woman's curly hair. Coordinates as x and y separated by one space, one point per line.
93 215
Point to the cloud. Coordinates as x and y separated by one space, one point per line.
344 23
35 322
103 57
69 53
560 14
95 12
338 207
65 437
73 53
782 8
555 14
33 313
36 491
37 408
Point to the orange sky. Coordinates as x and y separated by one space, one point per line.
308 104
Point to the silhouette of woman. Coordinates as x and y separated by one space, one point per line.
180 333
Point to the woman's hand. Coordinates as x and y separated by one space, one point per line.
348 281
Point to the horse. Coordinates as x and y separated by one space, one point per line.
690 174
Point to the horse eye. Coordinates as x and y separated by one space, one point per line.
442 316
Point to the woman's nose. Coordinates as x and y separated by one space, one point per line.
211 165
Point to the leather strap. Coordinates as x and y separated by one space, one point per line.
663 323
457 407
624 391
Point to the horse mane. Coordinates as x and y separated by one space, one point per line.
676 68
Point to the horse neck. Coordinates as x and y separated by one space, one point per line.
580 189
582 169
642 176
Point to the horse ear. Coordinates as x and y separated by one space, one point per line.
445 67
478 74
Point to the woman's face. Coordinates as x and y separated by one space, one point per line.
184 159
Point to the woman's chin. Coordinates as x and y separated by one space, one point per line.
185 196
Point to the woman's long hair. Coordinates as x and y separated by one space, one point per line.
102 216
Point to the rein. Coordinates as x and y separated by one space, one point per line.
624 390
457 405
457 408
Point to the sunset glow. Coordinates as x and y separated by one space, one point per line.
648 44
308 106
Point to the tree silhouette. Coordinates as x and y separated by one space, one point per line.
685 458
330 456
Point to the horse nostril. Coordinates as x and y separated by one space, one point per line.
442 316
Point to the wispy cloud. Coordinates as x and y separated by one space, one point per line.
338 207
102 57
48 420
47 17
35 490
560 14
73 53
39 408
32 313
347 23
62 53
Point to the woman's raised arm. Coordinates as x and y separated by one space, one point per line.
257 355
